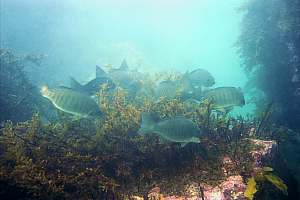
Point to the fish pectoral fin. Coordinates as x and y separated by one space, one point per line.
75 118
223 110
228 109
163 140
183 144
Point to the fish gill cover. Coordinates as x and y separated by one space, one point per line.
135 130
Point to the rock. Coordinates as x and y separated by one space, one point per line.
155 194
232 188
266 152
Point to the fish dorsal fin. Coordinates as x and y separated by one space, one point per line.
195 70
100 72
124 66
75 85
183 144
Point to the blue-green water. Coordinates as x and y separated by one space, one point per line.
52 136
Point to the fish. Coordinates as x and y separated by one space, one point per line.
93 86
225 98
73 102
100 72
167 89
200 77
125 78
177 129
124 65
121 75
186 89
174 88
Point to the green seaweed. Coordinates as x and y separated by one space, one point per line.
277 182
251 188
263 176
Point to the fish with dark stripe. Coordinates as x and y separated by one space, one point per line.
79 104
178 129
225 98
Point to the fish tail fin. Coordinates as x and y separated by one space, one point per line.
148 124
100 72
124 65
75 85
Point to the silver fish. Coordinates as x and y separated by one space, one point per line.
178 129
72 102
172 89
200 77
168 89
225 98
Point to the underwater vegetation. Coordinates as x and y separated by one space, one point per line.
106 158
19 98
263 175
269 45
125 133
16 90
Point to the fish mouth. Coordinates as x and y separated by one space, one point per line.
44 90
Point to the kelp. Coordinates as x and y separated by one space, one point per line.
251 188
277 182
269 25
263 176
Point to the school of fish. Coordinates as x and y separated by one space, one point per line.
77 100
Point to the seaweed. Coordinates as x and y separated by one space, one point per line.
264 30
251 188
107 159
263 176
20 98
